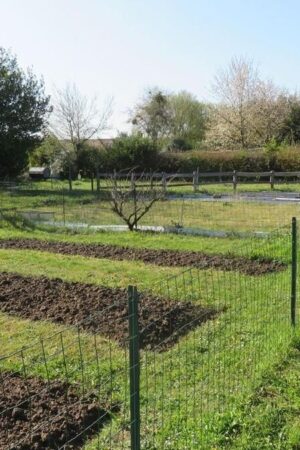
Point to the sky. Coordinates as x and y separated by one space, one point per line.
120 48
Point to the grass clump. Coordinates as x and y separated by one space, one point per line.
271 417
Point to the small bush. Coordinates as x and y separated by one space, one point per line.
180 144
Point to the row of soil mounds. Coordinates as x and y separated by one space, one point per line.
100 309
171 258
39 415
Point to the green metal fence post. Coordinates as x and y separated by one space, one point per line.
294 271
134 368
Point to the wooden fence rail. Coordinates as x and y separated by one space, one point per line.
194 179
197 178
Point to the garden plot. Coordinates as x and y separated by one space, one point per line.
209 371
99 309
39 415
170 258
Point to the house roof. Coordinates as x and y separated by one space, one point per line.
37 170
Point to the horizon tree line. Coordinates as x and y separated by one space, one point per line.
248 112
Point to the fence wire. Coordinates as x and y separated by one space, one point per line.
189 387
64 389
206 213
186 358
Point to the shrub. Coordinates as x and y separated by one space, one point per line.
285 159
288 159
272 147
134 151
221 161
180 144
141 154
91 159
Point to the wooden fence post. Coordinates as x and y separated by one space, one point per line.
151 180
164 183
70 178
132 181
92 181
196 180
98 180
63 206
234 180
272 179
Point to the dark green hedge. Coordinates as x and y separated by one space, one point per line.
287 159
142 155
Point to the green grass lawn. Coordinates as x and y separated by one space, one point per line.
84 270
271 417
225 187
83 207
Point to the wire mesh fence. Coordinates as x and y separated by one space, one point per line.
151 370
199 379
62 389
217 214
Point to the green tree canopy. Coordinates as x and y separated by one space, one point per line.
47 152
152 116
92 159
188 119
290 130
178 120
23 111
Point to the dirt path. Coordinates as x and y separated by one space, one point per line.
99 309
171 258
37 415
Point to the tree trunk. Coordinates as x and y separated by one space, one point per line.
98 181
130 226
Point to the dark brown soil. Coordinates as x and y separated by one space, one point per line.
36 415
99 309
171 258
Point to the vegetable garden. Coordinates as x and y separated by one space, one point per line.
135 339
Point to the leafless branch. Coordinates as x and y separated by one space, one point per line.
76 119
132 197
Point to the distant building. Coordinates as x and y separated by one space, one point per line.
39 173
95 142
101 143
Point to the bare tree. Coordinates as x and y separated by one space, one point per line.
236 90
76 119
132 199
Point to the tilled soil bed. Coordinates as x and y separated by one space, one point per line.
99 309
171 258
37 415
